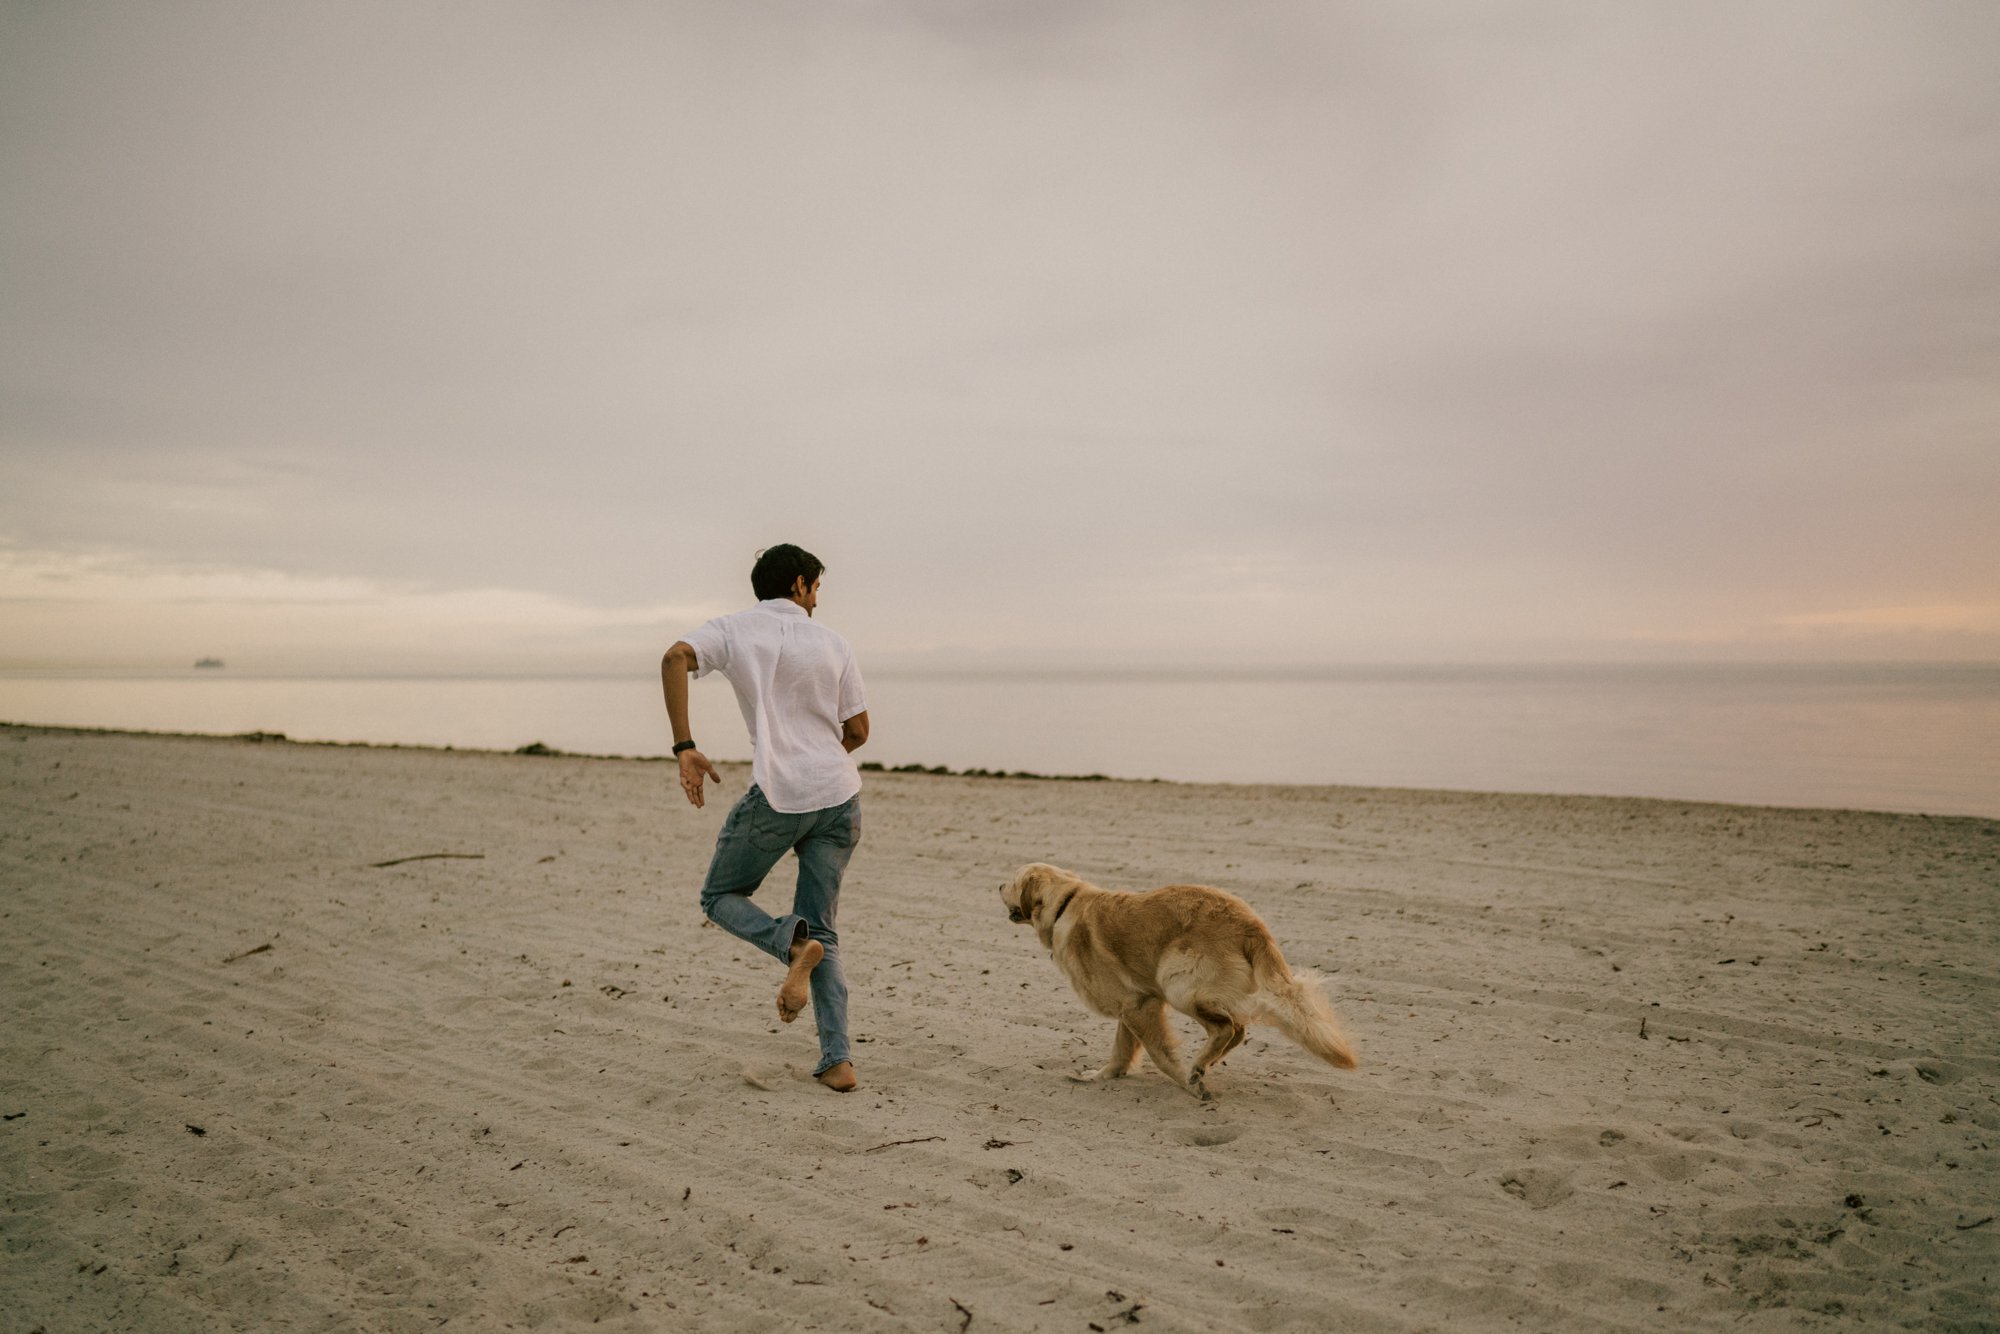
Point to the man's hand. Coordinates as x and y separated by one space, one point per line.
694 766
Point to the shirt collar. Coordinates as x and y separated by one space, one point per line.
783 606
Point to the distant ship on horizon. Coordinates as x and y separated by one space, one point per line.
208 662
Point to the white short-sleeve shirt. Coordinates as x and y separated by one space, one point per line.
796 683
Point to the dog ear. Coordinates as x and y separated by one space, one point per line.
1031 894
1017 896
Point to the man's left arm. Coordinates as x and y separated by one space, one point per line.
854 704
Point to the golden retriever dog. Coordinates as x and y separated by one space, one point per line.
1200 950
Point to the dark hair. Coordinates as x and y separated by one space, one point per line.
778 570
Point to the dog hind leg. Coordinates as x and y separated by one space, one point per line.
1224 1033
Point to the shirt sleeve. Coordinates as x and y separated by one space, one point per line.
853 697
710 643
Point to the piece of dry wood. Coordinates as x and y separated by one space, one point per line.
894 1142
247 953
430 857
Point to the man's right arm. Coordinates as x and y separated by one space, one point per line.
675 668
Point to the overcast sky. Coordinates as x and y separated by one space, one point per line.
489 336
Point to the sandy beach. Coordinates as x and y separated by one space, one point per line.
269 1062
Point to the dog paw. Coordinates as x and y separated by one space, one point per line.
1098 1076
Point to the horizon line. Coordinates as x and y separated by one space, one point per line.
893 668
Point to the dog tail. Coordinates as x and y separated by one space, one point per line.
1296 1002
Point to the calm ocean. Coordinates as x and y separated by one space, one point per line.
1880 738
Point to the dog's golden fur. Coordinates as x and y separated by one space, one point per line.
1200 950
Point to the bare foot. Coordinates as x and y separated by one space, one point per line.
840 1078
797 990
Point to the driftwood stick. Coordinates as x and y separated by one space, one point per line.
429 857
894 1142
247 953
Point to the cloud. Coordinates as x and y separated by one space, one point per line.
1947 619
107 611
1376 330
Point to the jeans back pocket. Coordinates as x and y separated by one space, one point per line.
769 830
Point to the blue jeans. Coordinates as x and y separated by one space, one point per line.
752 840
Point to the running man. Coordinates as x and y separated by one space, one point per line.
801 696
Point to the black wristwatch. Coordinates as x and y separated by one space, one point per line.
680 746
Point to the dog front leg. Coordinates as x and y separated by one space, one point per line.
1124 1054
1148 1022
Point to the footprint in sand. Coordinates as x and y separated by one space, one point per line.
1536 1188
1208 1137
